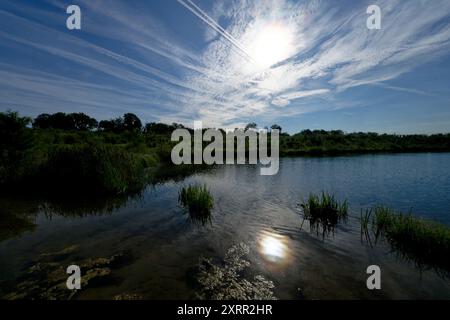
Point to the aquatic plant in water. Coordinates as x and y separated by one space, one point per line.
225 281
426 243
323 212
198 201
365 221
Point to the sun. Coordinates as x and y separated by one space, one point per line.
273 43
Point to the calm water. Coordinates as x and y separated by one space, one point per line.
262 212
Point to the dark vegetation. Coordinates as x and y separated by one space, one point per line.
15 218
62 153
424 242
336 142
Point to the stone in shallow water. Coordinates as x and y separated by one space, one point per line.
46 280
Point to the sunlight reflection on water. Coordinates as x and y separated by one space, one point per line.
273 246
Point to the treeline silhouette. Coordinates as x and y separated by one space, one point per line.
73 152
306 142
82 122
321 142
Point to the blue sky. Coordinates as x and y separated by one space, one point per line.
301 64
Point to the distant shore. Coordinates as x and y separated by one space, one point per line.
76 153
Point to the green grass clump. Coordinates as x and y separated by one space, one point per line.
424 242
198 201
324 211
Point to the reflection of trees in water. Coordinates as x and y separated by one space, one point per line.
18 215
83 207
176 173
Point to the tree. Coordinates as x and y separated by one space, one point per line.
276 127
62 121
158 128
107 125
13 131
42 121
131 122
116 125
15 140
251 125
82 121
178 126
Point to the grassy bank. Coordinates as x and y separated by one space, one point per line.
67 162
96 168
88 168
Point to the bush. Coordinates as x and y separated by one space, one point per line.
15 142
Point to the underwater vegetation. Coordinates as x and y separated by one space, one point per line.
198 201
226 281
324 212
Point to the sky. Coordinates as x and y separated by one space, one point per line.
300 64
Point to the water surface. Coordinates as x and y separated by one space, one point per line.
261 211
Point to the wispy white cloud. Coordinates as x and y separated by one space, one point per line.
334 51
240 72
285 99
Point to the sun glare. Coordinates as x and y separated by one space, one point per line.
272 44
273 246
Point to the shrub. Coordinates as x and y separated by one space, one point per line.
15 143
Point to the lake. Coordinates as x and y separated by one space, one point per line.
260 211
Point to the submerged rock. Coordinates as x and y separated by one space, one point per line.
225 281
58 255
46 279
128 296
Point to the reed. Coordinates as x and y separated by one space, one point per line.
198 201
365 223
324 211
92 169
421 241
